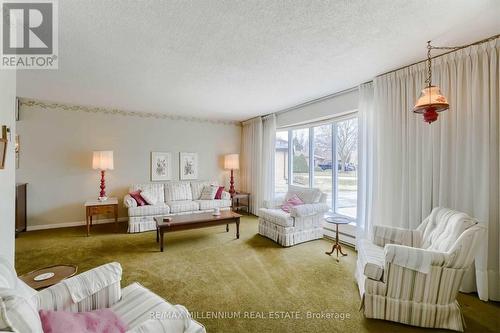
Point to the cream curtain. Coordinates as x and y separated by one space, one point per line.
453 162
257 157
268 152
251 161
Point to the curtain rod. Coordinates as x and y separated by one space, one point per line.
440 55
312 101
319 99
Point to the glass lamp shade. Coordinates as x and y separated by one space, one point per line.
102 160
232 162
431 97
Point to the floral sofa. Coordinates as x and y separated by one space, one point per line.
303 223
98 288
174 198
413 276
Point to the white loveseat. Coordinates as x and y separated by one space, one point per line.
413 276
303 223
140 309
174 198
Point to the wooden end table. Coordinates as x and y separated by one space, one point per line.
195 221
96 207
239 201
336 246
61 272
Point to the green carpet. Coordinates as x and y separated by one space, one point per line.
210 271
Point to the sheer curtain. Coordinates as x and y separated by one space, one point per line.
367 163
257 159
453 162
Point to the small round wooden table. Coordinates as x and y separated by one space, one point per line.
336 246
61 272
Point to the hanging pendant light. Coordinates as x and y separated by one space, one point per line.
431 100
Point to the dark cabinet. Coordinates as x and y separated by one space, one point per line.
21 207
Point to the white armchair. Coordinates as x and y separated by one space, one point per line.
413 276
95 289
302 224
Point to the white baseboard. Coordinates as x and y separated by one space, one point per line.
72 224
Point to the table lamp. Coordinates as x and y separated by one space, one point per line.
102 160
232 162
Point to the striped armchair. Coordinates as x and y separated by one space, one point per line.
413 276
95 289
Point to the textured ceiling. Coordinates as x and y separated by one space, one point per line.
236 59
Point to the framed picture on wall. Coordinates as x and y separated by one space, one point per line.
161 166
188 166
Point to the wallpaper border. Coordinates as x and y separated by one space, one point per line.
46 105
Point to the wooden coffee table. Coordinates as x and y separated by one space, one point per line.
195 221
61 272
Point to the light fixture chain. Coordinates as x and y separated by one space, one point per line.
429 67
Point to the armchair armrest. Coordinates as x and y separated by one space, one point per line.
383 235
309 209
129 202
94 289
414 258
275 203
226 195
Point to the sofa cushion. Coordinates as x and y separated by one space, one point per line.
97 321
156 189
308 195
211 204
183 206
149 210
371 258
197 187
175 191
149 197
138 198
208 192
276 216
139 306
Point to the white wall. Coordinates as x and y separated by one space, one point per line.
56 154
326 108
7 175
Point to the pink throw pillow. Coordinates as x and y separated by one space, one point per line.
293 201
218 194
99 321
137 197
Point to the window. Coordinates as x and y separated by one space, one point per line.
323 162
323 156
300 161
347 166
281 162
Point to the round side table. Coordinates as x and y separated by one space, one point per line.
60 272
336 246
